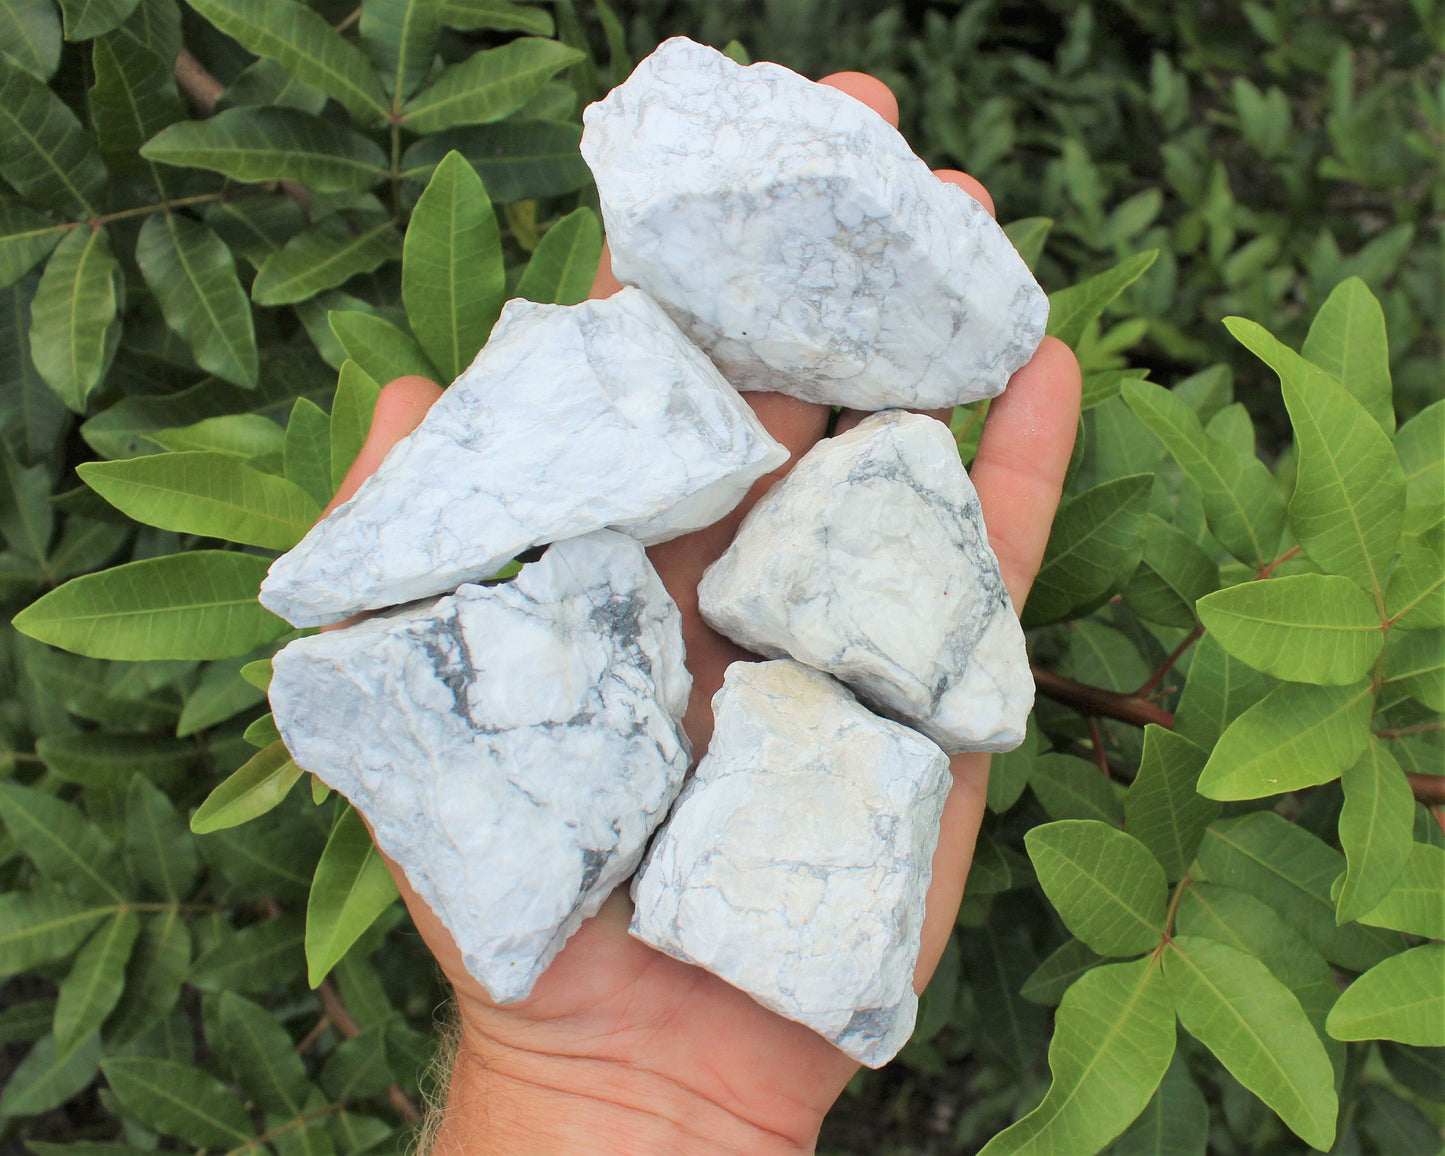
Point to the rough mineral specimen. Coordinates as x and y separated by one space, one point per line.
870 561
512 746
571 419
796 861
794 235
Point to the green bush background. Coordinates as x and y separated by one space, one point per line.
192 333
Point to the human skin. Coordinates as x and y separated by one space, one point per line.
620 1049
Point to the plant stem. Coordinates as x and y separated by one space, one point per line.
1153 681
341 1019
1095 700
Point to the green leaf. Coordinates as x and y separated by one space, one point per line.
1415 596
1176 1122
325 255
1113 1039
1375 831
488 84
219 694
401 36
255 959
1296 736
257 1051
351 412
1255 1027
1162 809
1315 628
997 960
564 264
90 992
257 226
108 761
351 889
210 494
86 19
1418 446
1107 888
74 329
1241 500
516 159
253 790
1069 787
1052 978
1400 998
1008 773
265 84
61 843
1349 498
1291 870
45 154
32 419
133 98
262 732
1416 902
1416 661
1396 1127
247 436
25 237
179 1100
307 453
158 847
1347 340
1219 689
158 964
1096 541
41 925
498 15
1172 576
1071 310
48 1075
272 144
452 278
191 273
258 673
30 35
378 347
1028 235
26 1021
306 46
200 604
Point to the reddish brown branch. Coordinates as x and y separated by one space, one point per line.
1096 738
1428 789
341 1019
201 88
1094 700
1152 683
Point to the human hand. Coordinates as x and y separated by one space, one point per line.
620 1048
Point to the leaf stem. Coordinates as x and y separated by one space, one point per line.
1095 700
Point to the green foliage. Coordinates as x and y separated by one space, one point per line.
1215 822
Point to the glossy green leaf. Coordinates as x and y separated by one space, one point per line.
200 604
499 15
262 732
25 237
351 412
564 264
452 278
1218 690
1241 501
1347 340
1109 891
253 790
44 152
307 451
326 255
30 35
273 144
516 159
255 959
1291 870
1375 830
351 889
91 990
1415 661
381 349
304 44
240 435
259 1054
1296 736
108 761
179 1100
1416 902
1162 809
74 328
42 925
1096 541
1315 628
1072 309
49 1075
401 36
488 85
1175 1123
1052 978
210 494
1415 596
258 673
32 418
158 964
1418 446
158 847
61 842
133 98
1069 787
1256 1028
1113 1040
1400 999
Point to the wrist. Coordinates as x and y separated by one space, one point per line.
509 1102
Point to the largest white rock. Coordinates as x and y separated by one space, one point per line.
797 860
571 419
794 235
513 746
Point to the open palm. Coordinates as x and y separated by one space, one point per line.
620 1048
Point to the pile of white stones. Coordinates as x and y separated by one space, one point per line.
515 746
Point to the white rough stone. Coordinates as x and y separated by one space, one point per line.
796 862
571 419
794 235
870 561
512 746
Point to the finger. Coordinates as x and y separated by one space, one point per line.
604 284
399 410
869 89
